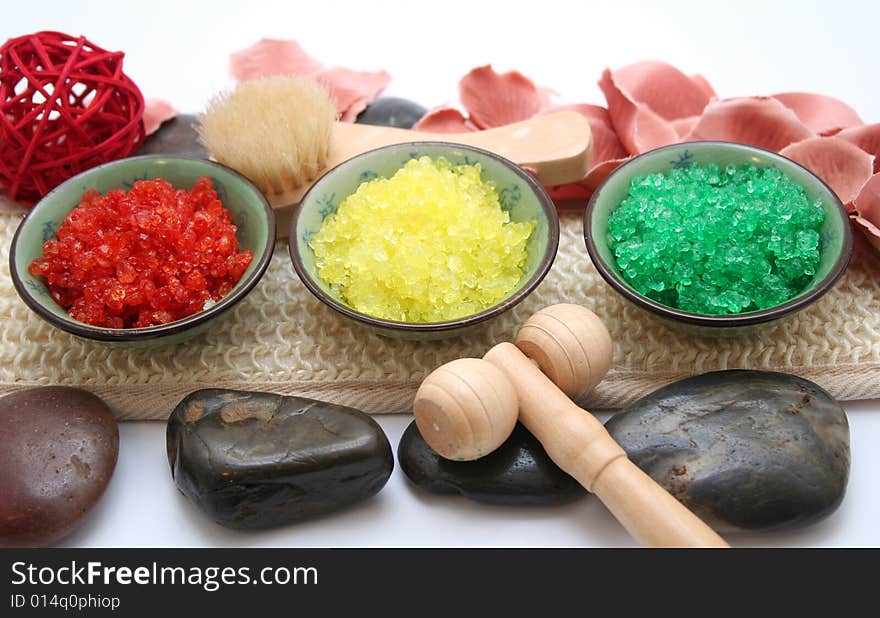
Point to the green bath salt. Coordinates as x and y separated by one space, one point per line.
717 241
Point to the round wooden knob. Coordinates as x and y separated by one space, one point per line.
465 409
571 346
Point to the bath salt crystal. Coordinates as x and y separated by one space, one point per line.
717 241
430 244
145 257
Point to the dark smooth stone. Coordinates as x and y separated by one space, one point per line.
392 112
177 137
257 460
519 472
58 450
749 450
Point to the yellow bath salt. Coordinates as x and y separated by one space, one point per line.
429 244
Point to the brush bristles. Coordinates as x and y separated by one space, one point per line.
275 130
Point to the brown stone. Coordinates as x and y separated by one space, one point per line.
58 449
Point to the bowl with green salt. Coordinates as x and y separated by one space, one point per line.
717 238
424 240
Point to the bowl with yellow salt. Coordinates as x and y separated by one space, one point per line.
424 240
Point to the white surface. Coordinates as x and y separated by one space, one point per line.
179 51
142 507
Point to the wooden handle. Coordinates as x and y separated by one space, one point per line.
557 147
649 513
579 444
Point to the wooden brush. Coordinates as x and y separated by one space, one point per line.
276 131
280 132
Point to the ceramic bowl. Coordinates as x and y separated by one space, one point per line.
520 194
250 213
836 236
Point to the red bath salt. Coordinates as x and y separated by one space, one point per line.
150 256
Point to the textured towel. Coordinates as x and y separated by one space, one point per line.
281 339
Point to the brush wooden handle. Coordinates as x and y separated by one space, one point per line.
579 444
557 147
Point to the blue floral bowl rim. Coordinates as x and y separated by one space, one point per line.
547 205
723 321
98 333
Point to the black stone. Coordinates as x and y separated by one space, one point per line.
519 472
748 450
176 137
257 460
392 112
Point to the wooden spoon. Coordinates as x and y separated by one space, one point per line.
556 147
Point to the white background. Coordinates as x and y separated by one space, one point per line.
179 51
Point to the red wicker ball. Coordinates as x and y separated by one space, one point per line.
65 106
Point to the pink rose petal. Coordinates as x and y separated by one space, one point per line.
638 127
608 153
157 111
496 99
871 231
353 90
820 113
571 192
843 165
653 104
599 173
759 121
584 189
444 120
269 57
866 137
867 203
605 143
683 126
703 84
663 88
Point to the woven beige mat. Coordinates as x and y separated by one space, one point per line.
283 340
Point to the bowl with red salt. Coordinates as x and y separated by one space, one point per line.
144 251
717 238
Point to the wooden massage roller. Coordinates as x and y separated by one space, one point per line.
467 408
